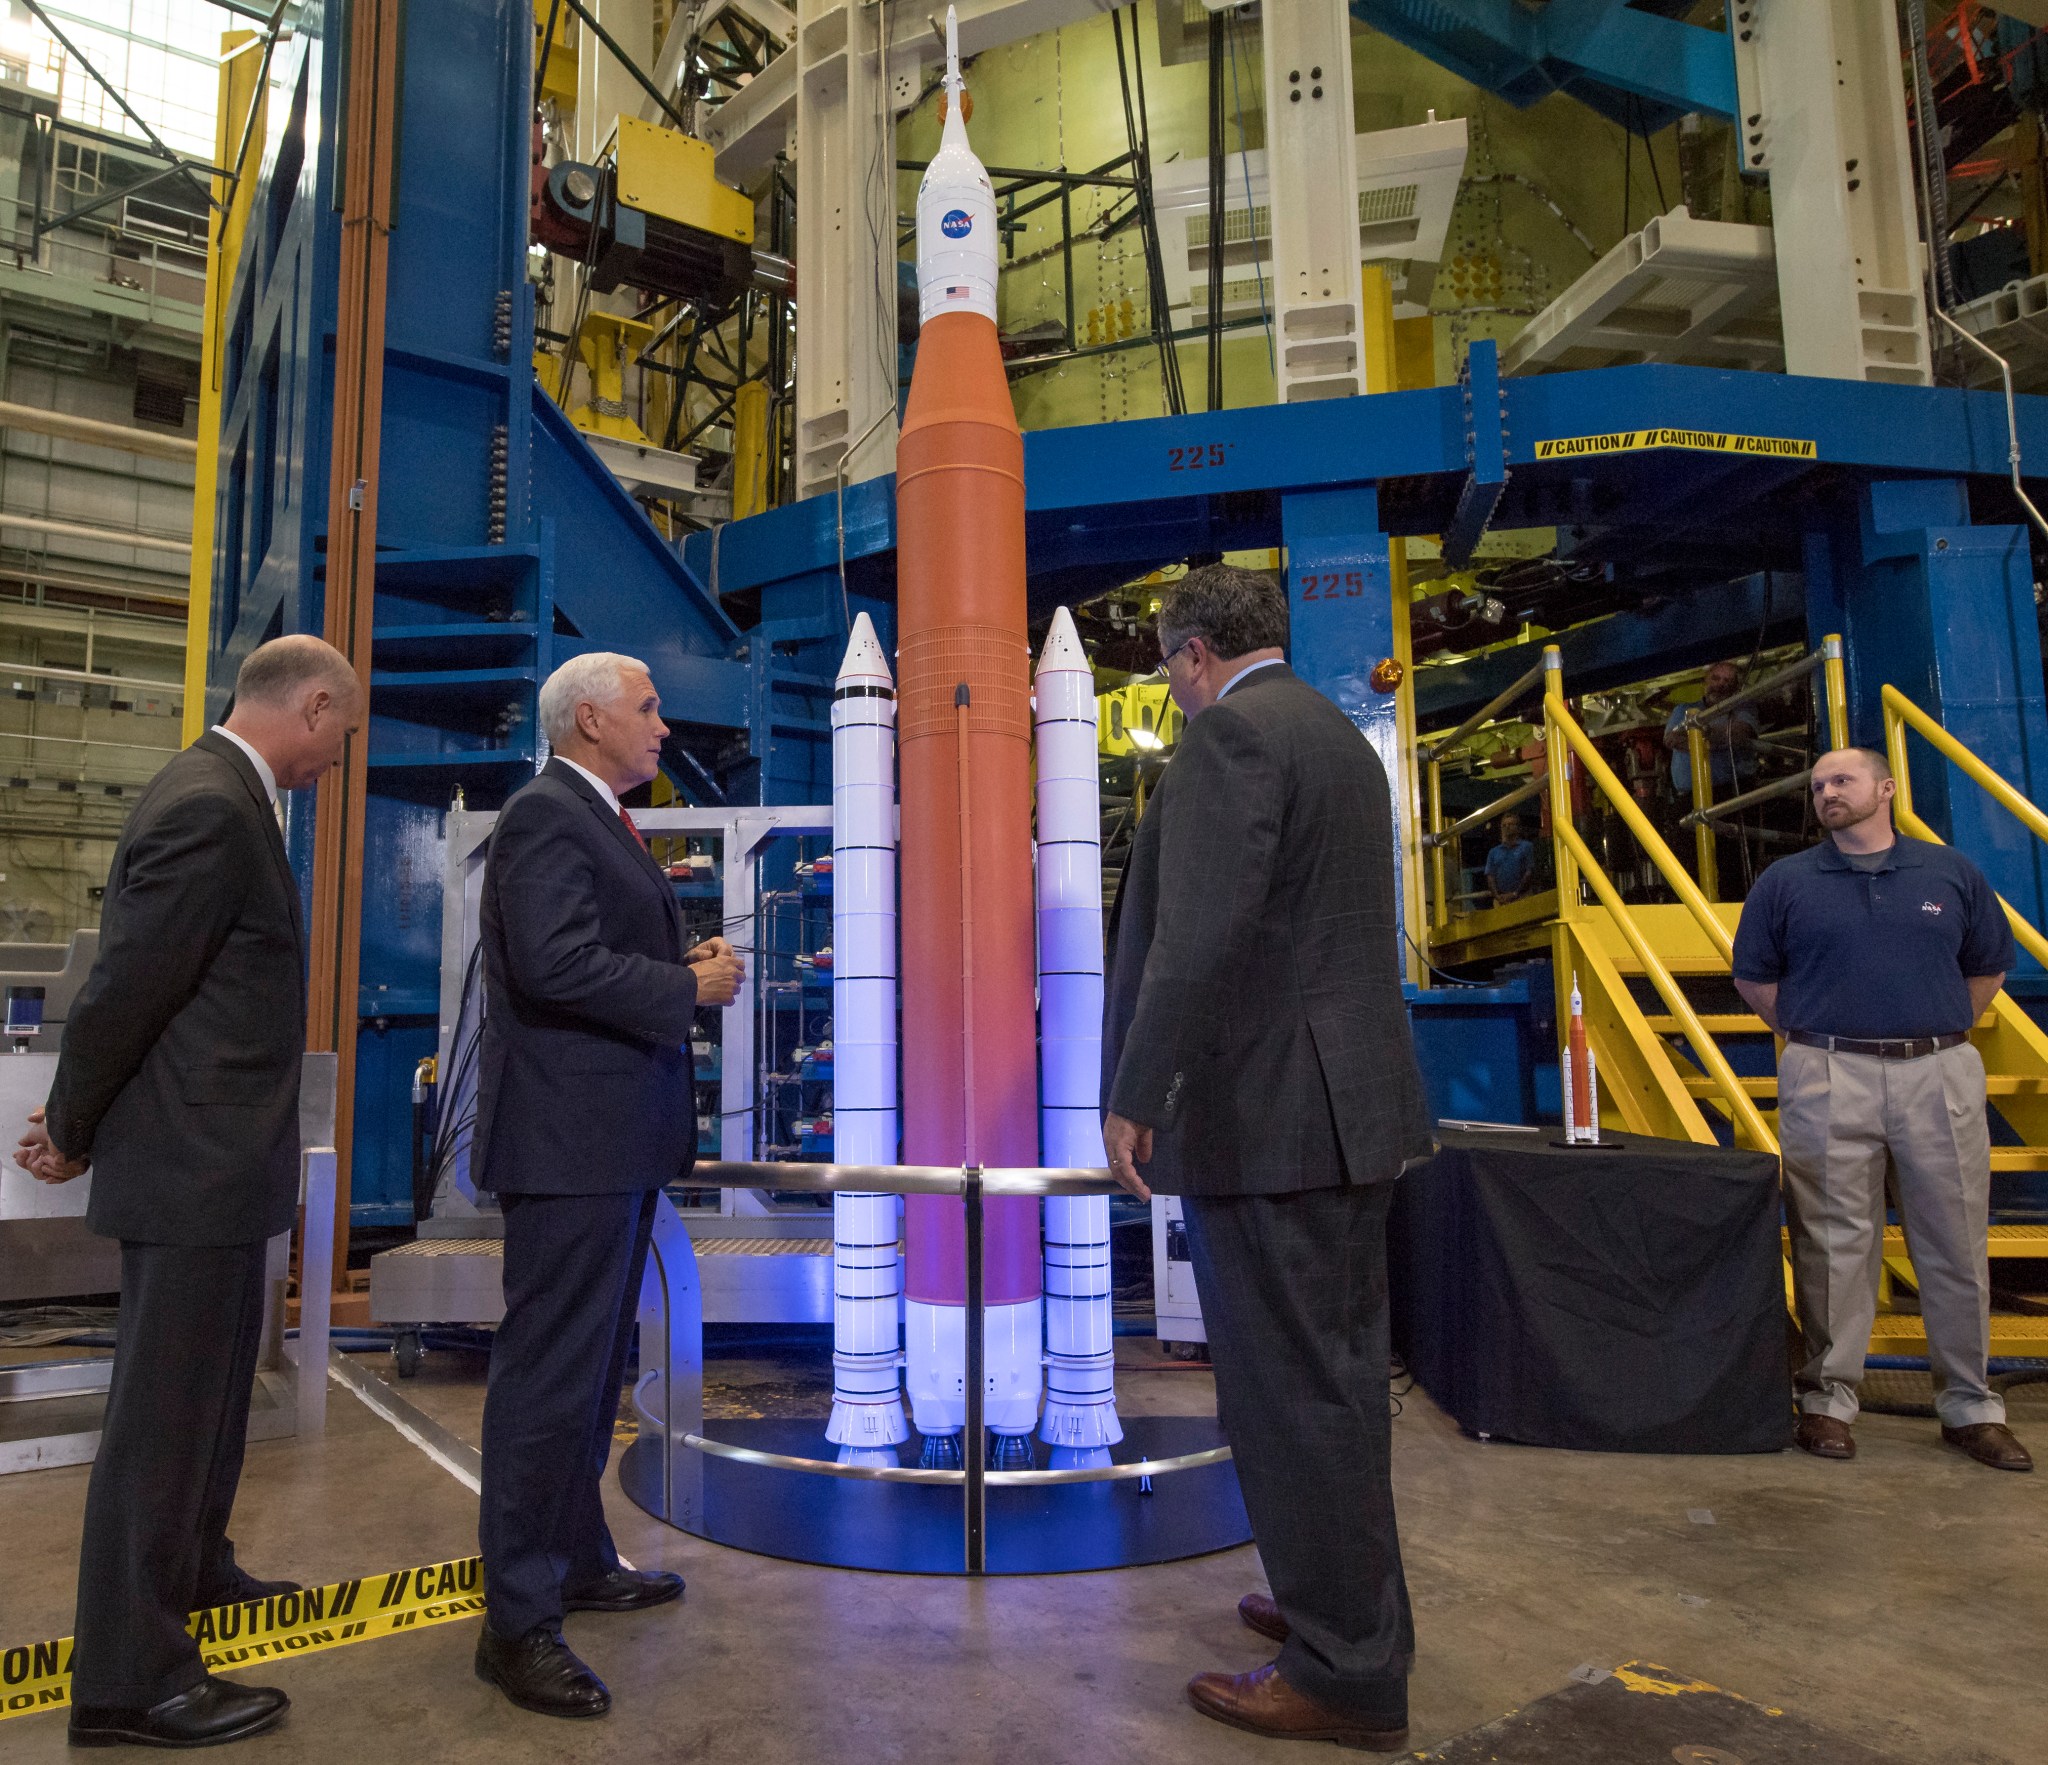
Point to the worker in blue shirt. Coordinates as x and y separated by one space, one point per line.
1872 955
1731 737
1511 865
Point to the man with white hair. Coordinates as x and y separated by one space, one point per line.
586 1106
179 1086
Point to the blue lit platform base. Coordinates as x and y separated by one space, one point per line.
759 1485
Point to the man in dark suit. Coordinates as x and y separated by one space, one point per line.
1257 1063
586 1107
179 1087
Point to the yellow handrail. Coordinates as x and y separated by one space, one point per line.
1558 721
1899 713
1706 857
1898 710
1744 1112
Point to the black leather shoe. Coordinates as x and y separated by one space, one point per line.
541 1673
213 1712
625 1590
243 1588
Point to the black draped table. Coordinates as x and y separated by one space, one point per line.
1615 1300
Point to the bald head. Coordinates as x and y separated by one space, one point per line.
297 701
277 673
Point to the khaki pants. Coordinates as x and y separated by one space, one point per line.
1844 1120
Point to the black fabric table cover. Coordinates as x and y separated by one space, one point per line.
1626 1300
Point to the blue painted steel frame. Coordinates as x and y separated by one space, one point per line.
503 544
1106 503
469 620
1605 53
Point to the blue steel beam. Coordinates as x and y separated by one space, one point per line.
1594 50
1699 626
1080 484
1486 453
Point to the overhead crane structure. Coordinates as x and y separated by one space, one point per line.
1717 508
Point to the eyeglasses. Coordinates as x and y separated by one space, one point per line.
1166 661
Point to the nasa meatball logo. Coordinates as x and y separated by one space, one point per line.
956 223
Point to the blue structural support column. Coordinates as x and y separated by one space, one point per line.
1341 615
1944 611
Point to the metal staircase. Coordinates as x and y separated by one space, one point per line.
1680 1055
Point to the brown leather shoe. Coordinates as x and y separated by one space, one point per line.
1824 1437
1264 1703
1261 1614
1990 1443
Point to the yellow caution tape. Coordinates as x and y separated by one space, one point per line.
1711 441
37 1676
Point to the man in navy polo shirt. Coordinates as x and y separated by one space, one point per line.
1872 955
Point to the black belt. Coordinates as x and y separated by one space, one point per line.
1892 1048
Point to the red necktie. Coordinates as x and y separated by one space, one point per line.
630 828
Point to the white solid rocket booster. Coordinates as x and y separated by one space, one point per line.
867 1408
1080 1422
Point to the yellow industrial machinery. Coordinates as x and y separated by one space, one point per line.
653 214
607 342
1140 718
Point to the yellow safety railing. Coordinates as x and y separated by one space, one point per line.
1901 714
1565 743
1440 836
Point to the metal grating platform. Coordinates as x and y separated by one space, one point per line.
1681 290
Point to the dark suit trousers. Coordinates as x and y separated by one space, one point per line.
156 1540
572 1289
1294 1294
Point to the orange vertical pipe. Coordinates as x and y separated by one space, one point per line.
335 945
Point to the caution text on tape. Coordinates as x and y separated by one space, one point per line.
1711 441
37 1676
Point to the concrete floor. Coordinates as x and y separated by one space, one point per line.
1901 1601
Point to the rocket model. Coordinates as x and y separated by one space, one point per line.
1080 1401
1581 1081
954 748
970 1069
867 1411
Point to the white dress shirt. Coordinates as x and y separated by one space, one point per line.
263 772
603 790
1269 662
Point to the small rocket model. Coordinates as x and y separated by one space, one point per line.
970 1068
1080 1400
1581 1081
867 1411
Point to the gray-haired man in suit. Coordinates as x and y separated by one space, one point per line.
1280 1111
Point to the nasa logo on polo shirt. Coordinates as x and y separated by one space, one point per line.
1930 906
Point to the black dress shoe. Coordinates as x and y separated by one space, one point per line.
541 1673
243 1588
213 1712
625 1590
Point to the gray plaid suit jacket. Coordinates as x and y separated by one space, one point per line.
1253 1014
